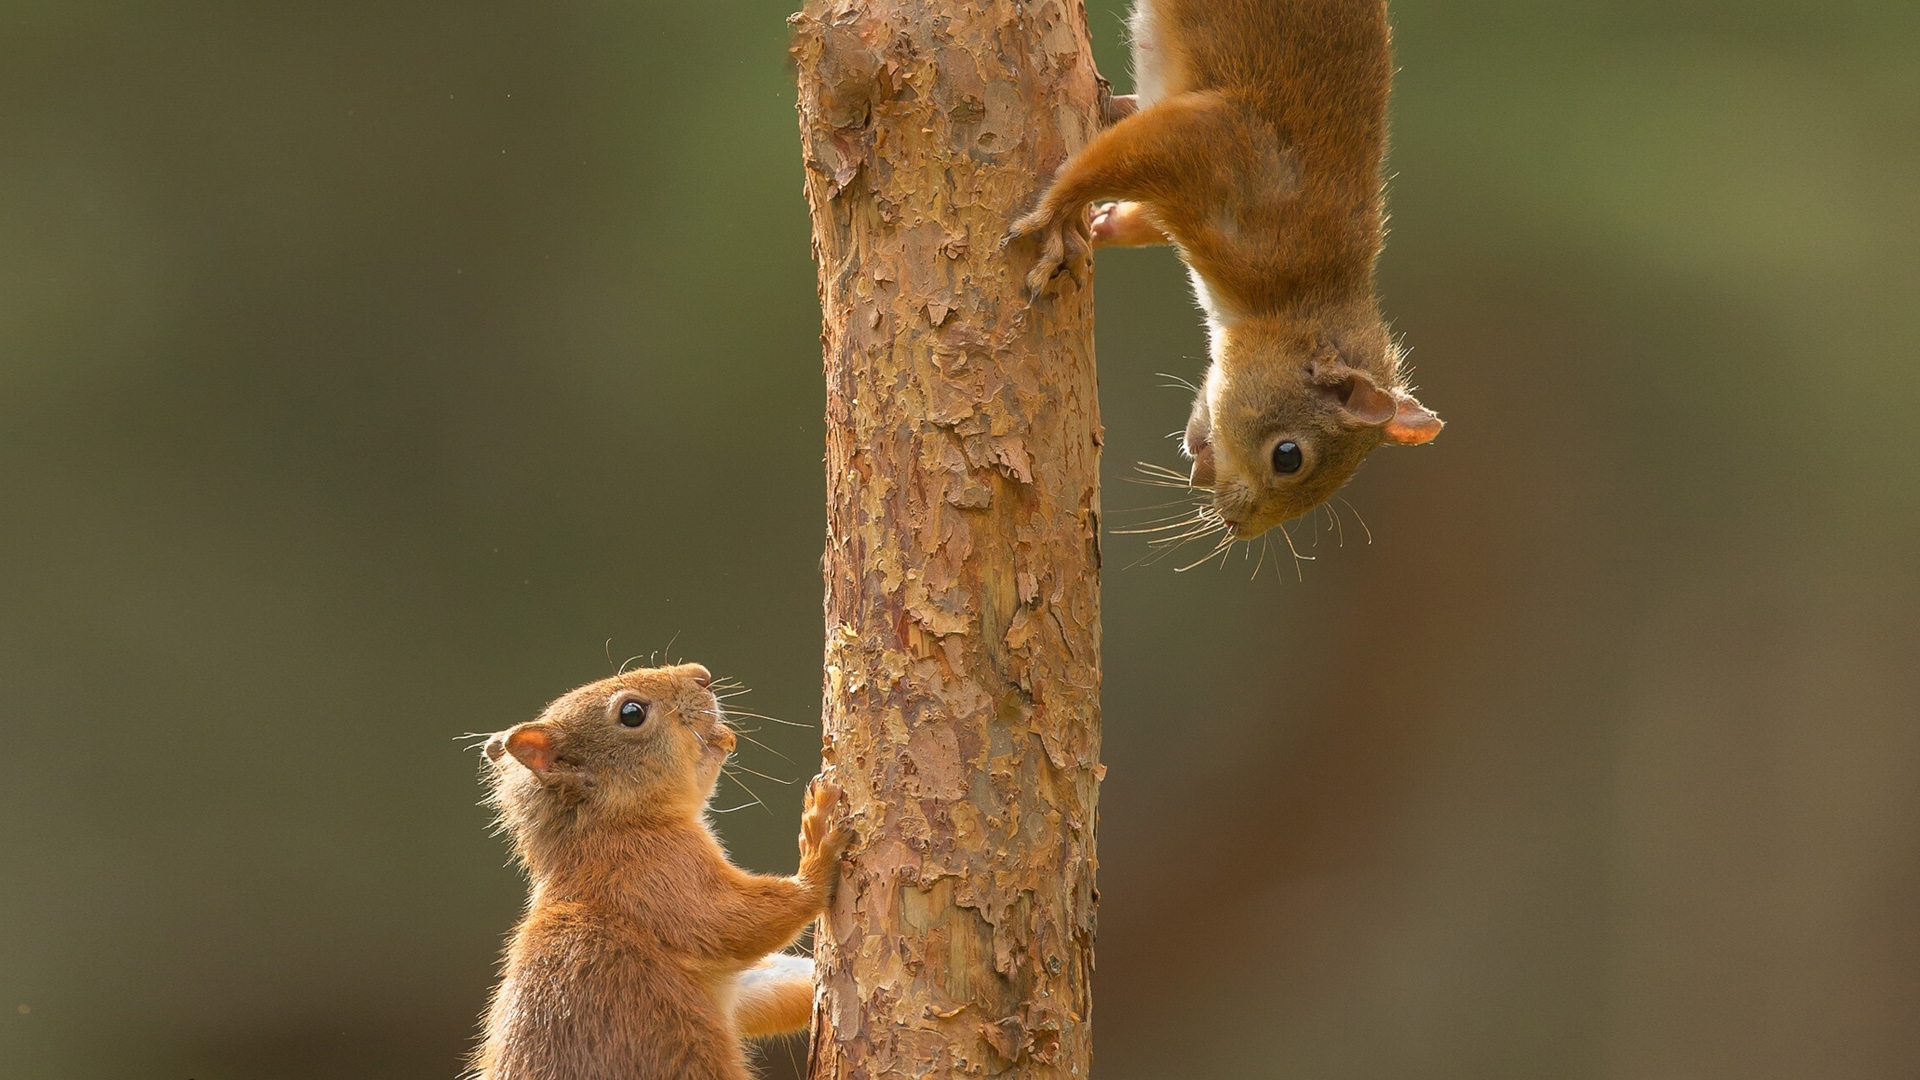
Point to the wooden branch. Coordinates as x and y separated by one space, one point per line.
963 539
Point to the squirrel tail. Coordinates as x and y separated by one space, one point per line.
774 996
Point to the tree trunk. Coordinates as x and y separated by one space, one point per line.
963 539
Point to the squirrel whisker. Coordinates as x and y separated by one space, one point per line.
770 719
1165 551
1187 502
758 773
1356 514
1189 507
1162 470
1297 557
1202 527
1224 545
763 746
750 792
1184 522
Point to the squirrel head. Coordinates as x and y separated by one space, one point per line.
643 746
1290 409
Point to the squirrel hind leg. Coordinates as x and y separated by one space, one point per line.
774 996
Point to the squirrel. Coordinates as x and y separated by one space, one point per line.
644 952
1254 144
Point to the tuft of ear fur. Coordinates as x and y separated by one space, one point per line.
533 748
1412 423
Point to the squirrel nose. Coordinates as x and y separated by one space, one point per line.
699 673
496 746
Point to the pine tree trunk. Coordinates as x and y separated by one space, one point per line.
963 539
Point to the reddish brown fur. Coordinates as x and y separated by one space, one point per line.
1257 149
644 952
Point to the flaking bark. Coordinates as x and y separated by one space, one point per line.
963 539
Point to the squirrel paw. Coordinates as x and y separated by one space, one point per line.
1064 248
1123 224
823 837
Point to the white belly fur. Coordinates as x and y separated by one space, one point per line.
1149 63
1220 317
1151 74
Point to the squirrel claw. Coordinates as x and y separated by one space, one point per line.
1064 249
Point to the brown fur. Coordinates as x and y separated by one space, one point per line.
1256 149
644 953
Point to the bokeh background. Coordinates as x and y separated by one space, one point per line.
371 372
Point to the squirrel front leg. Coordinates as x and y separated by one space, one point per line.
765 913
1163 156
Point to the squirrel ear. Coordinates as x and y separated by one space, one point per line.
1412 424
533 748
1365 403
1404 421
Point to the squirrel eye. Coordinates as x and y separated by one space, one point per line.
1287 457
633 714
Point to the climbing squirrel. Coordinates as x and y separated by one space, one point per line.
644 953
1254 145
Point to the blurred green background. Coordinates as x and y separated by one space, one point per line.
372 372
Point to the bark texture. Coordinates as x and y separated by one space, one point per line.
963 539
